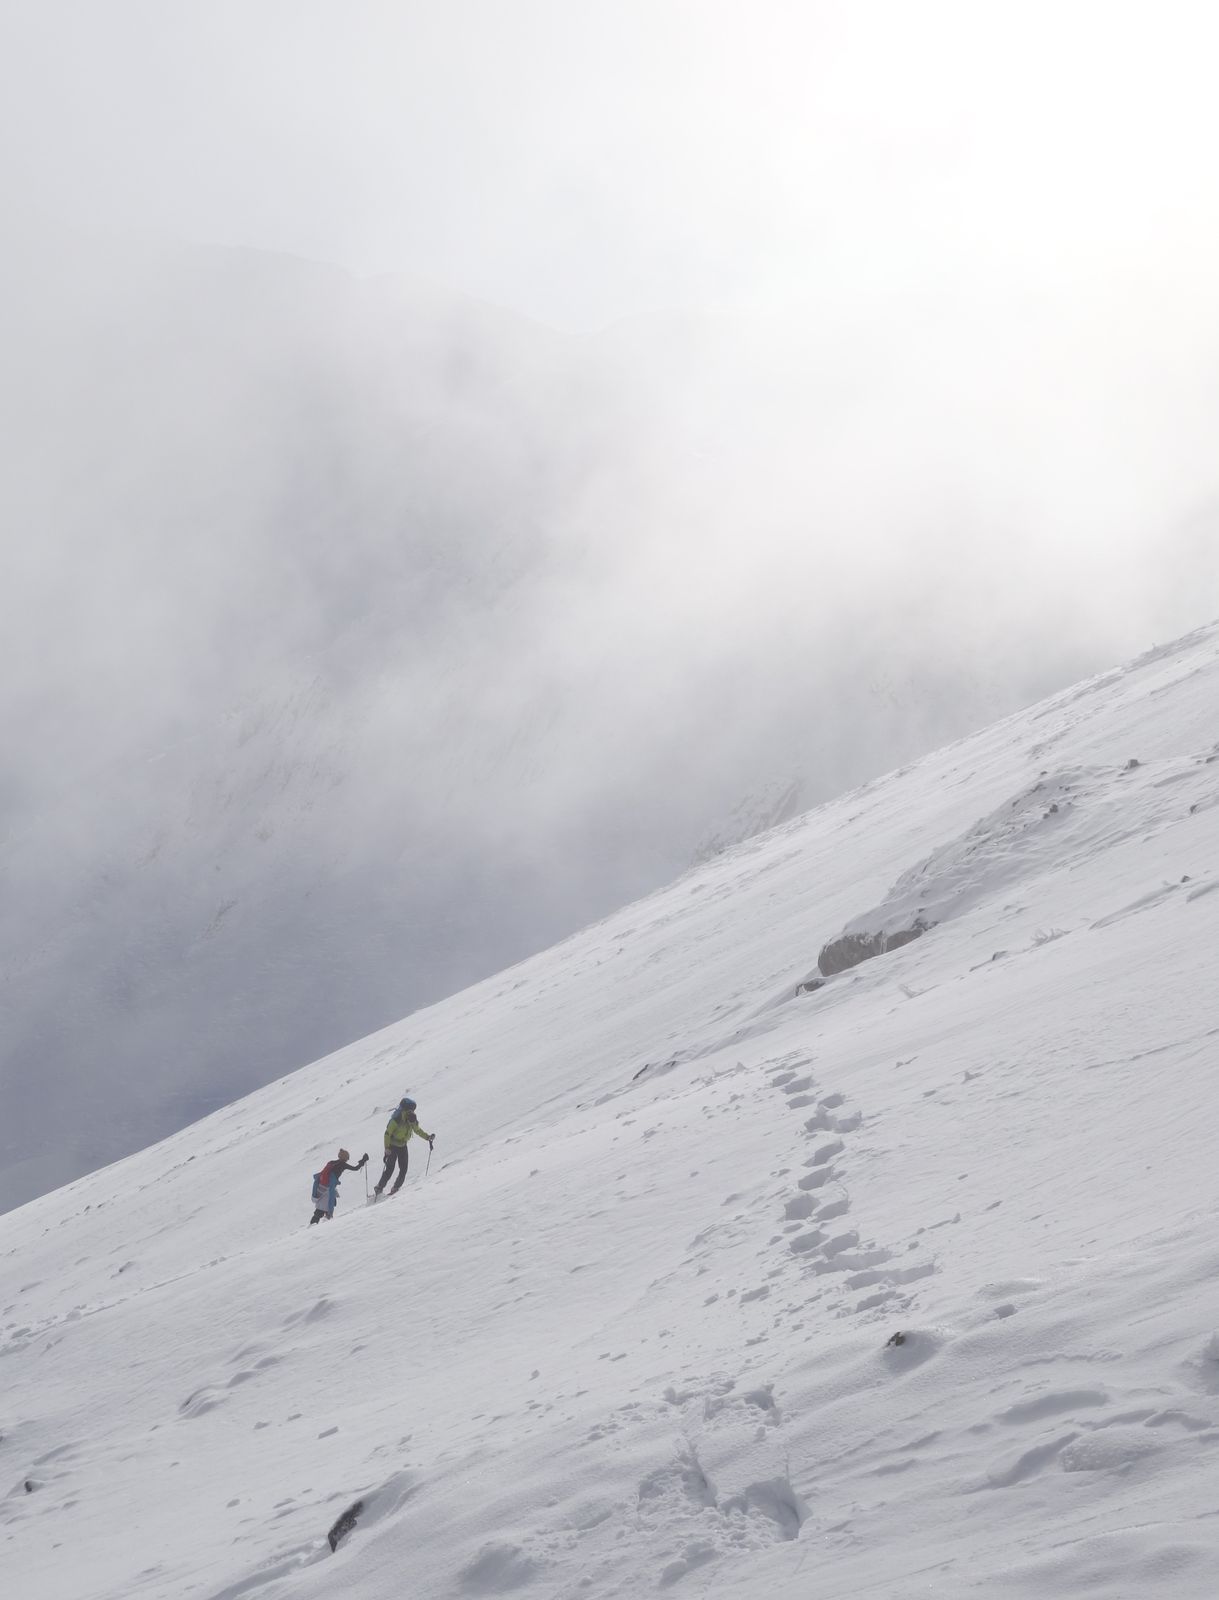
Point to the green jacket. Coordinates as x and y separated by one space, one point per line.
398 1131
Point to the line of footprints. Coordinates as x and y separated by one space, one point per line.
814 1217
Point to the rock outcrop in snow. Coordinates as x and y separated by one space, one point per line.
849 949
1067 815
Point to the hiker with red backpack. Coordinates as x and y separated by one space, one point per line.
401 1128
326 1184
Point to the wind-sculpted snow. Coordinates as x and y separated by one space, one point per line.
1055 821
905 1285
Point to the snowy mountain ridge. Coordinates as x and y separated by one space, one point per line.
905 1286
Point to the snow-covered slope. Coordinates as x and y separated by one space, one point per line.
633 1331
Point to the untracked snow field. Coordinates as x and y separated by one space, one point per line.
635 1332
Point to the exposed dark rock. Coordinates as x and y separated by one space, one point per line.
345 1524
849 949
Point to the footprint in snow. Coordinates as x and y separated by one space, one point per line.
497 1567
243 1376
821 1121
200 1403
1028 1464
817 1179
1201 1371
804 1242
1053 1404
696 1554
315 1313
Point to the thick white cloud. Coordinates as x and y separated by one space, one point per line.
582 161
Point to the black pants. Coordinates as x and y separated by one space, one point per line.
399 1157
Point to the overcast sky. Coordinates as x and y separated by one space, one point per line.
582 159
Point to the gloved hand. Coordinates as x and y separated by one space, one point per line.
431 1140
364 1159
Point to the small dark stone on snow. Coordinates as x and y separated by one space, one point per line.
345 1524
897 1338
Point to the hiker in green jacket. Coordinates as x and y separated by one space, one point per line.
401 1128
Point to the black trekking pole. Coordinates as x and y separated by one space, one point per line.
428 1168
